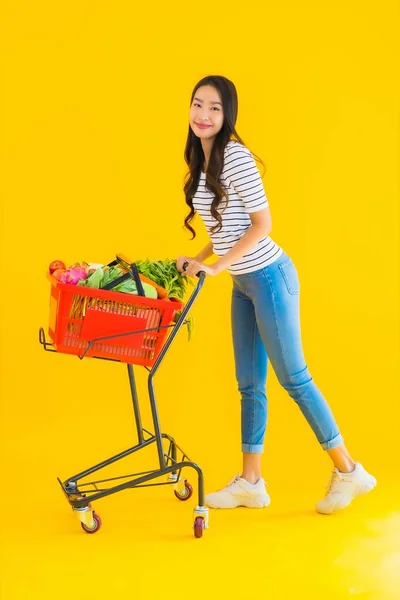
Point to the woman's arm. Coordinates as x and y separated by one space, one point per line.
205 253
200 258
261 225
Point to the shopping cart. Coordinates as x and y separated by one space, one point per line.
132 329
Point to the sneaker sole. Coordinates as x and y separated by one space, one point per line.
249 504
257 504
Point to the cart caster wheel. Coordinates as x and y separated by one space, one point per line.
96 527
186 493
199 526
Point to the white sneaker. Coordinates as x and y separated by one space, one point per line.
343 487
240 492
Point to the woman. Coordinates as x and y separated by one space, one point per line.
225 188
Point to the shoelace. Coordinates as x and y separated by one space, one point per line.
335 478
235 480
232 481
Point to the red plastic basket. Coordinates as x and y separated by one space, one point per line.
80 314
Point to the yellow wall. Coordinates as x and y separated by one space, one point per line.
95 118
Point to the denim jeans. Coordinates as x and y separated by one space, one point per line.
266 325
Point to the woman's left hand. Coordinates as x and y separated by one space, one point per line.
195 267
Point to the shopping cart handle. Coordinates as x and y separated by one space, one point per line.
185 264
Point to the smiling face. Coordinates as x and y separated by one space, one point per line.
206 115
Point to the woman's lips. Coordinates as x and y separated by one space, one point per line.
202 126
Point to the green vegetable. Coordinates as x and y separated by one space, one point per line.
103 275
189 323
165 274
129 287
94 279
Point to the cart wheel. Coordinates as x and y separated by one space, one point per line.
199 527
186 493
96 527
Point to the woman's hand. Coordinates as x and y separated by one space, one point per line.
181 260
194 267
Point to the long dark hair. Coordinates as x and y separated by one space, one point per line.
194 155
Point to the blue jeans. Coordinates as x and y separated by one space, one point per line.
266 324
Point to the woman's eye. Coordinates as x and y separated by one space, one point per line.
195 104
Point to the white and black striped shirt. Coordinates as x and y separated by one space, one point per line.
241 178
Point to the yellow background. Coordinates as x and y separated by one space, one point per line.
94 122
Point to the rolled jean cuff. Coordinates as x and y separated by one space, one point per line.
336 441
253 448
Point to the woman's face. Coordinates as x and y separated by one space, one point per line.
206 109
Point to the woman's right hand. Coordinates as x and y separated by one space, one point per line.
181 260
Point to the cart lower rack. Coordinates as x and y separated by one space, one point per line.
109 325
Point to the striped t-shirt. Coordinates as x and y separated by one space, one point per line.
241 178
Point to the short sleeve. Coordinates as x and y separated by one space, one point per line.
241 171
